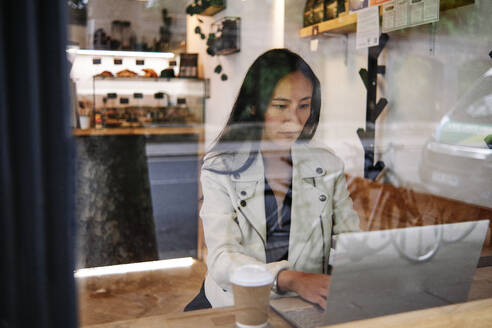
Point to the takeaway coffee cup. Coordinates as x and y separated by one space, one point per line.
251 285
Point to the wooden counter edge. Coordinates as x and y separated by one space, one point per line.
138 131
468 314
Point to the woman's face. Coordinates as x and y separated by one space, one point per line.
288 110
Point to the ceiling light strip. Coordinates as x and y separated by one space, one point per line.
111 53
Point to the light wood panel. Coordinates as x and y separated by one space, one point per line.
470 314
212 10
383 206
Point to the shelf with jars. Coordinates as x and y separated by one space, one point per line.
119 93
332 16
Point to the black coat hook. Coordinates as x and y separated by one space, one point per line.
373 108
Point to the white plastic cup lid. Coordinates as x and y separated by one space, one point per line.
252 275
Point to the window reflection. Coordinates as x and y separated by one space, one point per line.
460 147
175 161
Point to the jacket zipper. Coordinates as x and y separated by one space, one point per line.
324 246
261 237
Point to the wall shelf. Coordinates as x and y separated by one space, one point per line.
343 25
212 10
348 23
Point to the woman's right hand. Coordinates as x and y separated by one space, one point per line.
313 287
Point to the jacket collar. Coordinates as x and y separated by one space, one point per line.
307 165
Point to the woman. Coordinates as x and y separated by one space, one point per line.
270 198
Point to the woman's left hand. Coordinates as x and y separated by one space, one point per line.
313 287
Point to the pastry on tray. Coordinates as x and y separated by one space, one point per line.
149 72
126 73
111 122
104 74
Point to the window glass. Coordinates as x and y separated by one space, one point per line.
292 135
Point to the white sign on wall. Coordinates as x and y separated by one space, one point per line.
367 28
400 14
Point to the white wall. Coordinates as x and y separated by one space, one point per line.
257 32
336 63
421 85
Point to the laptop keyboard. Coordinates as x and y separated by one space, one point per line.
306 318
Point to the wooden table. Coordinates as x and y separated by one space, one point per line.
468 314
213 318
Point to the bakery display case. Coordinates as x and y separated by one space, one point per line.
125 90
148 102
139 136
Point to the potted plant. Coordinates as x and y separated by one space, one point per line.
84 115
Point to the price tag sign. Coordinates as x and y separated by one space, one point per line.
400 14
367 28
314 45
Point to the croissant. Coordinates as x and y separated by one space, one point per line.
126 73
104 74
149 72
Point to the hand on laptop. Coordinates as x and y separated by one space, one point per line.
312 287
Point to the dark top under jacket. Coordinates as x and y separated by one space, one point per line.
278 231
277 246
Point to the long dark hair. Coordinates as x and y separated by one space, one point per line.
245 123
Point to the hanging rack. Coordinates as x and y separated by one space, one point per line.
373 108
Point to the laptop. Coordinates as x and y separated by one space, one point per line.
391 271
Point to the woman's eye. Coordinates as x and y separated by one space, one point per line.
279 106
305 106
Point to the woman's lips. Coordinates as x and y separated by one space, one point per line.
289 133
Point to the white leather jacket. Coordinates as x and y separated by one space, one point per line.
233 215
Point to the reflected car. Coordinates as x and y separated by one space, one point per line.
457 162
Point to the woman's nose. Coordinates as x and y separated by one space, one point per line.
290 114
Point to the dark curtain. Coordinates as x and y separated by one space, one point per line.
36 168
